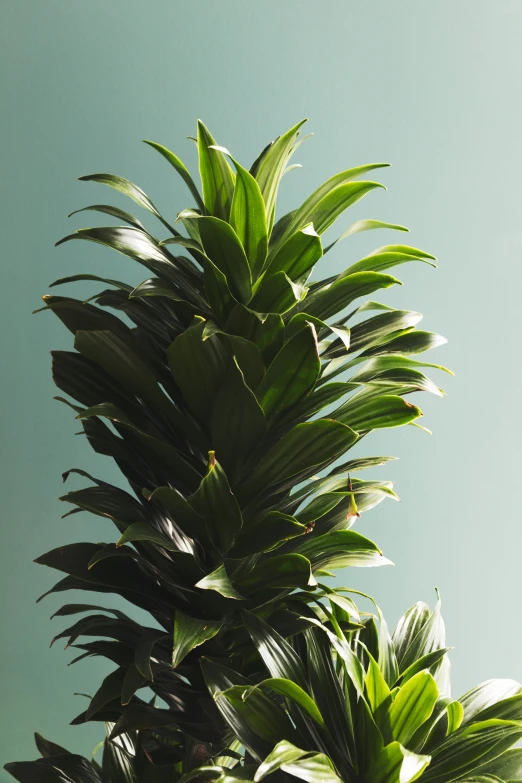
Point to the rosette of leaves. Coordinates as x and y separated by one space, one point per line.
228 391
358 705
342 702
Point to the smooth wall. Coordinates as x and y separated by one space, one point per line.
432 87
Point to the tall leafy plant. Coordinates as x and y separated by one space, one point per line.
229 393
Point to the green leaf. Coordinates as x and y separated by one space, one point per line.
330 200
68 767
296 694
341 549
366 225
278 655
431 636
198 367
291 375
47 748
289 570
327 301
126 187
266 331
107 209
247 218
377 690
95 278
407 629
350 661
283 753
455 716
223 246
218 679
110 352
395 764
470 747
180 167
133 681
271 168
379 261
215 502
142 531
154 286
144 650
140 716
425 662
219 581
276 294
412 342
376 413
378 328
412 706
258 713
159 452
306 446
217 177
266 533
218 293
132 242
314 768
109 689
237 423
508 766
298 254
486 695
191 632
190 522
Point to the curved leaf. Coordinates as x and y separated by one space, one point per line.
291 375
180 167
191 632
247 218
217 177
222 245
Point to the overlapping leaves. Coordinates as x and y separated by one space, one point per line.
214 392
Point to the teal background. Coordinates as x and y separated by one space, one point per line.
434 88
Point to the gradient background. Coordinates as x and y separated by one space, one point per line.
434 88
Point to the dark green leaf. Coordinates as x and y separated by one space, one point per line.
219 581
107 209
291 375
306 446
341 549
296 694
190 632
376 412
237 422
198 367
268 531
292 570
190 522
218 506
333 298
278 655
223 246
298 254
